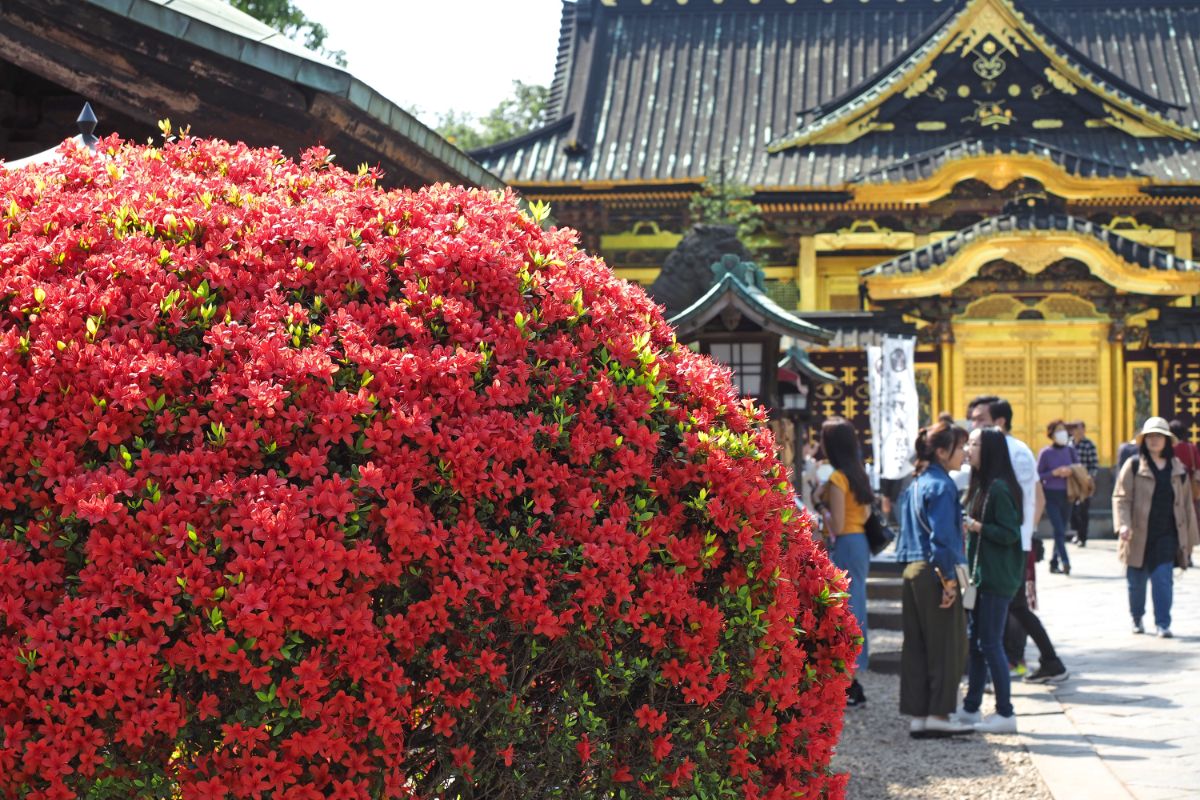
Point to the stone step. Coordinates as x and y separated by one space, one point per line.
886 662
884 587
885 564
884 615
885 651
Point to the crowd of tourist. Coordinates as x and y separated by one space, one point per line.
966 544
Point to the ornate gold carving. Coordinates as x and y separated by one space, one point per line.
990 114
996 307
1130 228
990 27
994 371
1014 90
1127 123
865 234
1047 124
999 171
1064 371
1038 91
923 82
1125 223
863 226
644 235
1038 260
1060 81
858 129
1034 252
939 92
1067 307
1007 307
989 67
931 125
977 23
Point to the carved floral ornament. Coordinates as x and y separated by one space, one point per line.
1054 307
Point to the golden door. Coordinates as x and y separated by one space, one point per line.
1047 370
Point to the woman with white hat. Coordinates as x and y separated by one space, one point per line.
1156 522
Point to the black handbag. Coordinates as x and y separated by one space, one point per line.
879 535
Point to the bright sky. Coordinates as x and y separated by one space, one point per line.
430 56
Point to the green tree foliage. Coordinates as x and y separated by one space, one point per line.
285 17
513 117
724 203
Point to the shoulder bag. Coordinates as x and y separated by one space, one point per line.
970 589
879 535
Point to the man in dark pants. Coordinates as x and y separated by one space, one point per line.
991 410
1022 621
1090 460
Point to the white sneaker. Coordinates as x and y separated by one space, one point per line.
967 717
1165 633
916 728
998 724
942 727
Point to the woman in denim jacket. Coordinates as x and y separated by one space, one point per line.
930 547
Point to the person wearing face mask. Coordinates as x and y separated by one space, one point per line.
1054 467
1155 521
930 548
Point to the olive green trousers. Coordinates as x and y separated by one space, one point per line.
934 654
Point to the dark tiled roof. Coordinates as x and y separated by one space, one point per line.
924 165
1175 326
739 285
861 329
796 360
669 92
937 253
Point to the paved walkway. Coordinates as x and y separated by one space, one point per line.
1127 723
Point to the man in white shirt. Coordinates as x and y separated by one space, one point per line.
992 410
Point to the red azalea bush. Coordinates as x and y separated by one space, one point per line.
315 490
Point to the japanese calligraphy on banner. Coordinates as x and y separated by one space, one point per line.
895 408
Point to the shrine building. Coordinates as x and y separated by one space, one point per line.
1014 182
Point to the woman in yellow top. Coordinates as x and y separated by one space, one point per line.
845 502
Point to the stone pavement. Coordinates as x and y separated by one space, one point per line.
1127 722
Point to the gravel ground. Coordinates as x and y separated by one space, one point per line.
884 762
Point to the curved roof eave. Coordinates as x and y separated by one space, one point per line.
219 28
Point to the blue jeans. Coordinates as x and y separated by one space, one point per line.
1162 585
852 553
1059 512
985 630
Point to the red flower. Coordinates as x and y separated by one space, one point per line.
584 749
661 747
650 719
332 489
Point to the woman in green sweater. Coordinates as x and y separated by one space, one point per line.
996 566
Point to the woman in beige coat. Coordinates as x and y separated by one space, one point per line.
1155 519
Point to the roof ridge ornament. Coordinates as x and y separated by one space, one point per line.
747 272
87 126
